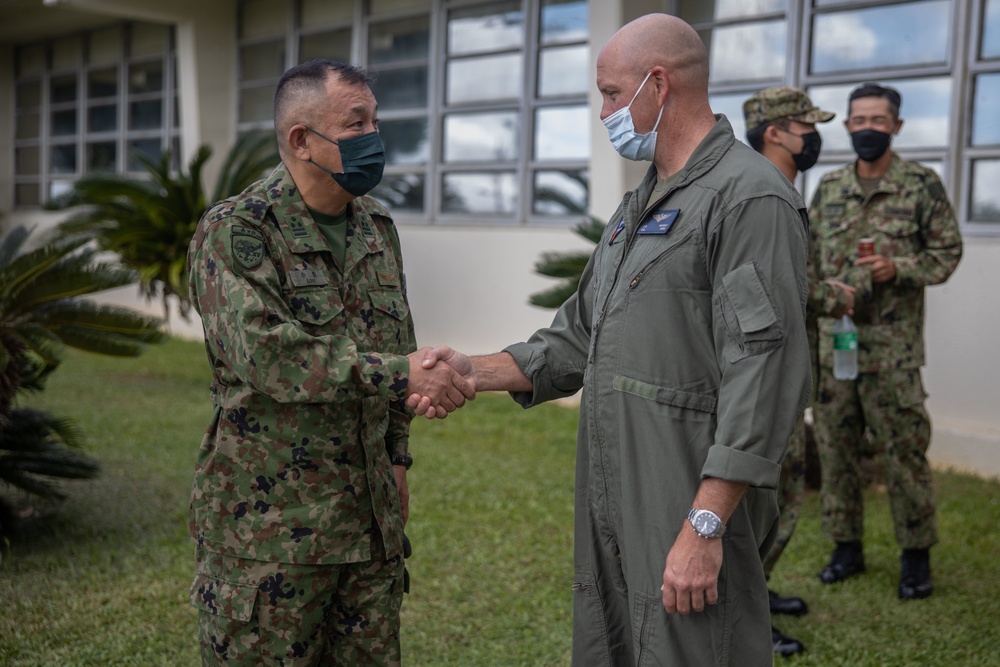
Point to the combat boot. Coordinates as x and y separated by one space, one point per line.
915 577
846 560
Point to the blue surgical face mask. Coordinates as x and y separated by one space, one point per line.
363 160
629 144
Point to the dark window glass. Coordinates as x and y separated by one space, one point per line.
402 192
405 39
62 159
481 137
406 141
63 122
985 193
493 28
914 33
102 156
562 133
485 78
986 111
748 52
560 192
257 104
63 89
28 160
102 83
564 21
403 88
147 115
483 193
29 94
151 148
991 30
103 118
333 45
700 11
564 71
29 125
145 78
262 61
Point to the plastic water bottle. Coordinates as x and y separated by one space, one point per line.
845 349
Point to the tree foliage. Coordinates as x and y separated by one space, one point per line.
41 313
148 222
567 266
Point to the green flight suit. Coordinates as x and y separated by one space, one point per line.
687 336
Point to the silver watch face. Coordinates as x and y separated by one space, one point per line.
706 523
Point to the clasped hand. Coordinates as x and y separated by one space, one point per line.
439 388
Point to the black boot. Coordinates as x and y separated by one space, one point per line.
915 577
793 606
847 560
784 645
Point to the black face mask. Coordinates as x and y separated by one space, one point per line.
812 143
363 159
870 145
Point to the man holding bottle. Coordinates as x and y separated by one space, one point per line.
902 208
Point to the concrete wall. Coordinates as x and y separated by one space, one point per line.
962 374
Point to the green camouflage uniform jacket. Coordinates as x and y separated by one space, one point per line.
910 219
309 375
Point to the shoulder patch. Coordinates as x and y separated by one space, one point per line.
247 246
936 190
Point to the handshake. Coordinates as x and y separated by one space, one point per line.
441 380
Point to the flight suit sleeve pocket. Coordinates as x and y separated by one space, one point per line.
223 598
748 310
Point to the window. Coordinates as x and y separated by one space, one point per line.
91 102
950 85
483 105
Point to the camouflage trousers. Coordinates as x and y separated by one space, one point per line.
263 614
891 405
791 487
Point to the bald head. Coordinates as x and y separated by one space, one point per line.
660 40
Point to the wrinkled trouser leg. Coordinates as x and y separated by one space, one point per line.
791 487
619 622
839 426
893 403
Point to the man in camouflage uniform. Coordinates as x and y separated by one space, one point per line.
781 126
901 206
299 495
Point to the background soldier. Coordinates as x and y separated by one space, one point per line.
903 207
299 495
781 126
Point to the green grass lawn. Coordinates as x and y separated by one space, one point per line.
103 578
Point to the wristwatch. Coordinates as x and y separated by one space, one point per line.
404 460
706 523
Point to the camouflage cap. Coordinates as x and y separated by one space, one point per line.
782 102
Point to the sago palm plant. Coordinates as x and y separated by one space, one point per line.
41 313
148 222
567 266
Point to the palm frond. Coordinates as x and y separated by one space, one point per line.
562 264
554 297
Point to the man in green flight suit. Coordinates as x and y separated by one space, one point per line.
902 213
687 336
299 497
